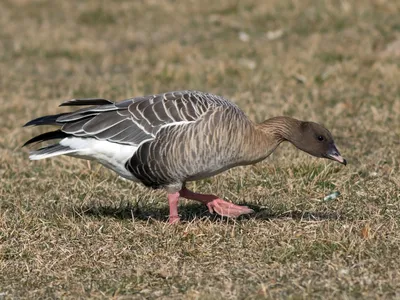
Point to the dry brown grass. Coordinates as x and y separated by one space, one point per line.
72 230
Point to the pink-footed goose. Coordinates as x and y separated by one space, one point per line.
168 139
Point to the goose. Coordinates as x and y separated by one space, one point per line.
168 139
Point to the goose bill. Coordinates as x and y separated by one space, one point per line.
335 155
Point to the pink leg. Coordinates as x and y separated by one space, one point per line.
216 204
173 207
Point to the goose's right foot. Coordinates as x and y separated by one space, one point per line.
215 204
227 209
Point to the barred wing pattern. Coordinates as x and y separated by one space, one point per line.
134 121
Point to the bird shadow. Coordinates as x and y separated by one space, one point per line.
191 212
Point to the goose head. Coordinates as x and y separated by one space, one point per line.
316 140
309 137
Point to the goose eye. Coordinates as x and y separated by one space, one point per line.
320 138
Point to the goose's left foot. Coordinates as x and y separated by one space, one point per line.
173 200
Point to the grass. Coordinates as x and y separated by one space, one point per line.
69 229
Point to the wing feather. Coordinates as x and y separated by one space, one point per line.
133 121
86 101
102 122
118 128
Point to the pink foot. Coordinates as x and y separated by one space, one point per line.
227 209
174 219
173 208
221 207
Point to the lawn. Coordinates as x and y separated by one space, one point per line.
72 229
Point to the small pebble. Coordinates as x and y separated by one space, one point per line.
332 196
244 37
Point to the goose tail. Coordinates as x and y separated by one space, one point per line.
50 151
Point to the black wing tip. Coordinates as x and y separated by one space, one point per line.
31 141
51 135
71 102
26 143
30 123
86 101
35 122
45 120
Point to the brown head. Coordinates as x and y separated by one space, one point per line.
310 137
317 141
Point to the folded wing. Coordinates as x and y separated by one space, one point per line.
135 120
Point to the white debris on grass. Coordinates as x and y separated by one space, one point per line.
332 196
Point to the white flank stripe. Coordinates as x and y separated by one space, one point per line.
176 124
